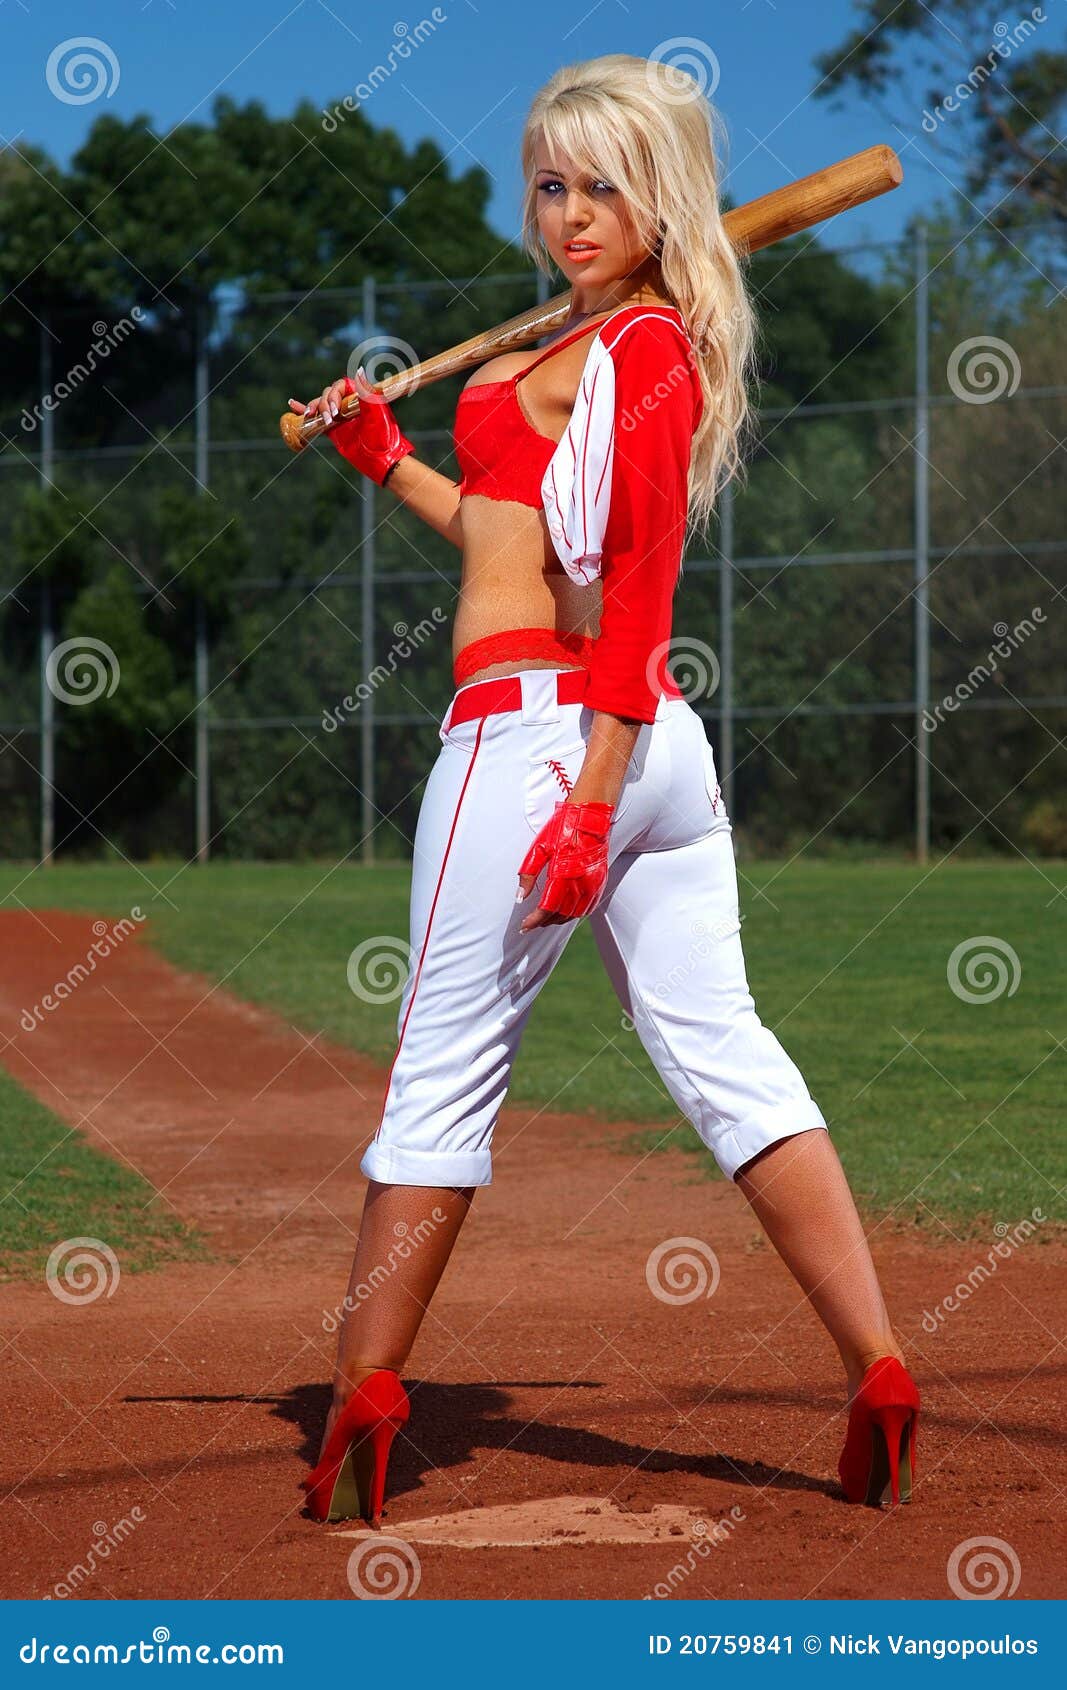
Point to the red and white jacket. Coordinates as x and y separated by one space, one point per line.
615 496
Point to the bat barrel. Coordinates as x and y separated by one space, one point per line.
812 199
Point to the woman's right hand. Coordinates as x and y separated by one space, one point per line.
371 440
329 404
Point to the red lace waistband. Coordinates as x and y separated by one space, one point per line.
514 644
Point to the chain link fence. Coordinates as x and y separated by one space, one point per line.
872 628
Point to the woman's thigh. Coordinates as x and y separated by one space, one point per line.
669 932
473 975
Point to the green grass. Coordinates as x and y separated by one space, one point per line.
54 1186
847 962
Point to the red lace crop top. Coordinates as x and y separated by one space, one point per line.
500 453
614 489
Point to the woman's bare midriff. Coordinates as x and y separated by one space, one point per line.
513 579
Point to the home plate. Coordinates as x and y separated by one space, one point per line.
546 1520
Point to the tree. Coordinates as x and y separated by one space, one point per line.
986 99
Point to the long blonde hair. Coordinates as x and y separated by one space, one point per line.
647 128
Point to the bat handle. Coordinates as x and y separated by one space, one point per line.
298 431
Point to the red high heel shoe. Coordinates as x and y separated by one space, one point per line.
879 1452
349 1480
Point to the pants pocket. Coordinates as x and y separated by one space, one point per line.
463 737
711 782
550 778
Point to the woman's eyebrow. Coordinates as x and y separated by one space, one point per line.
587 175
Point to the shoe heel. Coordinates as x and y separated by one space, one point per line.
349 1480
892 1427
368 1462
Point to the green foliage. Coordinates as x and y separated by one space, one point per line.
1000 132
267 251
1045 828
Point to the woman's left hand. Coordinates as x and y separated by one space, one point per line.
573 846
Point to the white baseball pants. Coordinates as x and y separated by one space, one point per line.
667 928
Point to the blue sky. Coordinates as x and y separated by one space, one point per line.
469 84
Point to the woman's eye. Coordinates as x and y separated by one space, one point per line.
549 187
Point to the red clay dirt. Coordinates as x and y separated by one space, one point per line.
546 1371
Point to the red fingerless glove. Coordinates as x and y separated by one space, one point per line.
371 440
574 845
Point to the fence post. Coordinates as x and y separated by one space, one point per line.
922 540
47 700
202 679
724 757
48 732
366 618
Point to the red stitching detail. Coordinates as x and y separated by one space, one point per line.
561 774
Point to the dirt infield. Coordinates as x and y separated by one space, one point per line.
169 1422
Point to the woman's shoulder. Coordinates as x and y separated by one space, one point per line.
645 327
650 351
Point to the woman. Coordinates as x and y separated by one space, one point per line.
568 751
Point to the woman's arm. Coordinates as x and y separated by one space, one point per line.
373 444
432 496
590 804
655 395
607 756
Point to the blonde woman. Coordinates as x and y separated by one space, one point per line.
569 759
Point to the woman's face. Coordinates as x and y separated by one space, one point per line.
584 222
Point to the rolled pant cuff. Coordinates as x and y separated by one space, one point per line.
390 1165
733 1148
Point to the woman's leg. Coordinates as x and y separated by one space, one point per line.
473 981
798 1191
405 1239
669 932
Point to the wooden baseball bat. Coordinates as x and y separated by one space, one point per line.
759 223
